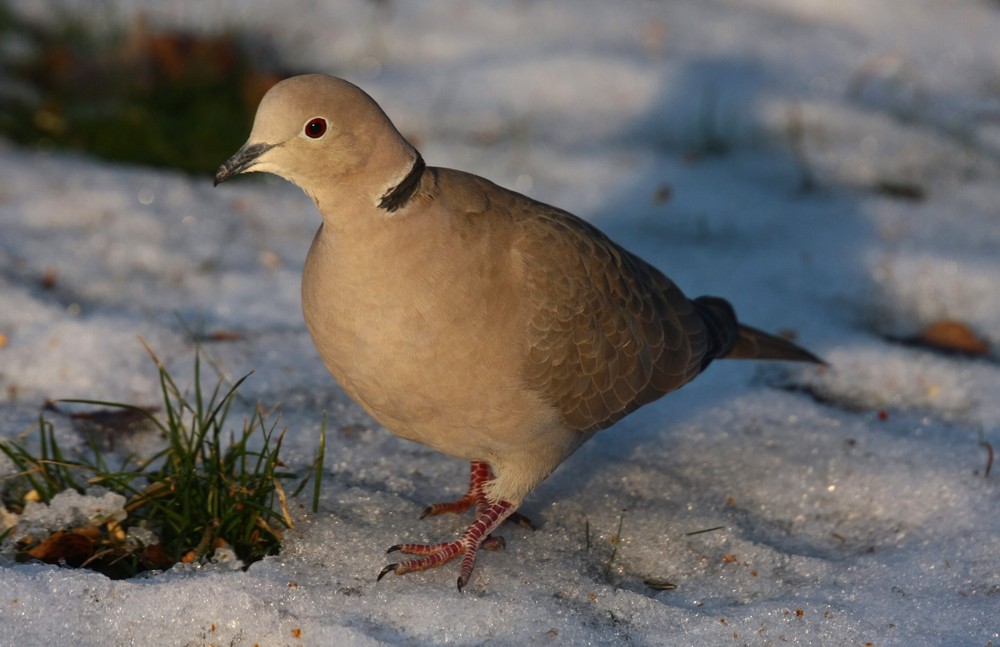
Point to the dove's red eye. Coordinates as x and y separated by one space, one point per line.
315 128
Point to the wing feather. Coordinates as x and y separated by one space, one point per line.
607 332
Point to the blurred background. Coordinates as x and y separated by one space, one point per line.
100 80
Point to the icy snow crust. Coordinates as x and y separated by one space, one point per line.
850 506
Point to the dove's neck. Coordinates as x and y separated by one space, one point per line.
400 193
379 189
363 239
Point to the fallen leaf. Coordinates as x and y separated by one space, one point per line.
155 557
224 335
50 277
952 336
659 584
69 547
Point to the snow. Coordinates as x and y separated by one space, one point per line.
850 505
68 509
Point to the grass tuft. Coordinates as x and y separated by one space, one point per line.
208 488
616 541
316 473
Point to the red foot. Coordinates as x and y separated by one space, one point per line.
488 517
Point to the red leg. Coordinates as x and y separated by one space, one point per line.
480 474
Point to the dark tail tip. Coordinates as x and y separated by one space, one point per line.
756 344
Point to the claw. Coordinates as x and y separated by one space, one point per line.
393 549
385 571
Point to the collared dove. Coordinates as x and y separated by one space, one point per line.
471 318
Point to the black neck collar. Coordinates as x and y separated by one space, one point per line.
400 194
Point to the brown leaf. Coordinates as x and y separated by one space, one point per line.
91 532
50 277
224 335
69 547
155 557
952 336
659 584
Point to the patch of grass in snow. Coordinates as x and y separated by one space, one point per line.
208 488
132 94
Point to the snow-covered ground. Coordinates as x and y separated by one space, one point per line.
853 502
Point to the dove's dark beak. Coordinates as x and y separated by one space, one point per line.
241 161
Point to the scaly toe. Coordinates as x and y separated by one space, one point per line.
424 549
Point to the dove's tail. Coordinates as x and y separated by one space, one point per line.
755 344
733 340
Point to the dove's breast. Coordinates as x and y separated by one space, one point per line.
422 326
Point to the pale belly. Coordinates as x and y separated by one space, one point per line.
430 370
450 400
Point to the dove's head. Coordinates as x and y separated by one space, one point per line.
328 137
